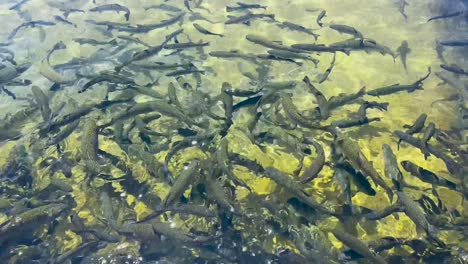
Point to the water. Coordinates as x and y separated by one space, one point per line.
147 174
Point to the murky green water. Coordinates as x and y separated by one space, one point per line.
224 132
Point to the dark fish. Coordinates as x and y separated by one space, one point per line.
277 58
293 113
454 68
18 5
399 88
42 101
245 19
322 102
417 126
345 29
293 187
247 102
401 7
242 6
112 7
260 40
187 5
313 170
94 42
106 77
428 176
428 133
164 7
354 122
403 52
454 43
63 20
296 27
205 31
182 182
320 16
186 45
358 246
164 23
67 12
391 167
32 24
292 55
184 72
324 76
362 112
452 166
318 48
343 99
448 15
232 54
351 151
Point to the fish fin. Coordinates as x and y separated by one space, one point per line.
395 84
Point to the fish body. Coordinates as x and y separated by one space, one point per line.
343 99
112 7
164 23
324 76
292 112
401 7
205 31
242 6
245 19
181 183
403 52
299 28
322 102
320 16
358 246
164 7
445 16
454 69
345 29
313 170
292 55
454 43
391 166
268 43
351 151
318 48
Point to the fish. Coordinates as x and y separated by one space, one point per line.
164 23
242 6
345 29
416 214
352 153
18 5
228 101
112 7
291 111
358 246
182 182
184 72
90 146
223 162
428 133
454 69
417 126
58 46
67 12
106 77
245 19
445 16
292 55
391 167
401 7
452 166
324 76
232 54
320 16
32 24
362 112
164 7
399 88
429 176
47 71
277 58
293 187
454 43
186 45
260 40
63 20
314 169
296 27
344 99
318 48
403 52
254 100
322 102
94 42
354 122
43 101
205 31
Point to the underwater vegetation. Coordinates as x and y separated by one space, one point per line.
230 132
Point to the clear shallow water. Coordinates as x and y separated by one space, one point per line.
113 185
